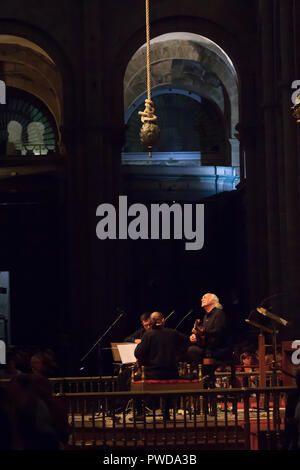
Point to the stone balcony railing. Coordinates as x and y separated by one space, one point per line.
170 177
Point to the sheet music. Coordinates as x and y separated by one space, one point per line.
127 352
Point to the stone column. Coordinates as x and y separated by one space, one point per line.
289 52
94 178
256 247
235 153
270 108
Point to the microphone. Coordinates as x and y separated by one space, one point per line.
188 314
170 314
121 312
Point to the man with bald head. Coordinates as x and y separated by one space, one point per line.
157 319
213 331
159 349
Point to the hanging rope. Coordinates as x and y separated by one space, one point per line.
149 133
148 50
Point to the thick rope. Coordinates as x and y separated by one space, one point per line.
147 116
148 50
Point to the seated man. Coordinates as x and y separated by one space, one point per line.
137 335
209 340
159 349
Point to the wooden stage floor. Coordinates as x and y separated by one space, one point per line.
195 431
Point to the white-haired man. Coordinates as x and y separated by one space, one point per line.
210 339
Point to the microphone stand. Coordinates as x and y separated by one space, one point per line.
188 314
100 339
173 311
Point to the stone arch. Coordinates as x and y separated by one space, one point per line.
170 24
193 63
176 24
34 72
48 49
188 60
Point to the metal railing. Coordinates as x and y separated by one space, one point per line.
109 383
62 385
216 418
83 384
249 379
239 418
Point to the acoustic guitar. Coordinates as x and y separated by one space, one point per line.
199 332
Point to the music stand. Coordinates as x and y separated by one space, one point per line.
115 351
275 319
261 350
116 356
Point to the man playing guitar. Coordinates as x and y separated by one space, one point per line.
209 339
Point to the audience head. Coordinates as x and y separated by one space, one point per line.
248 358
37 364
43 363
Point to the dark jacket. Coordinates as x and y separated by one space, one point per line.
136 335
216 337
158 352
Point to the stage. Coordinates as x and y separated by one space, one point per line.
226 428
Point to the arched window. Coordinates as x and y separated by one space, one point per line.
194 87
199 121
35 132
14 144
2 92
195 67
27 125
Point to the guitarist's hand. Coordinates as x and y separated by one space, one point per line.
193 338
